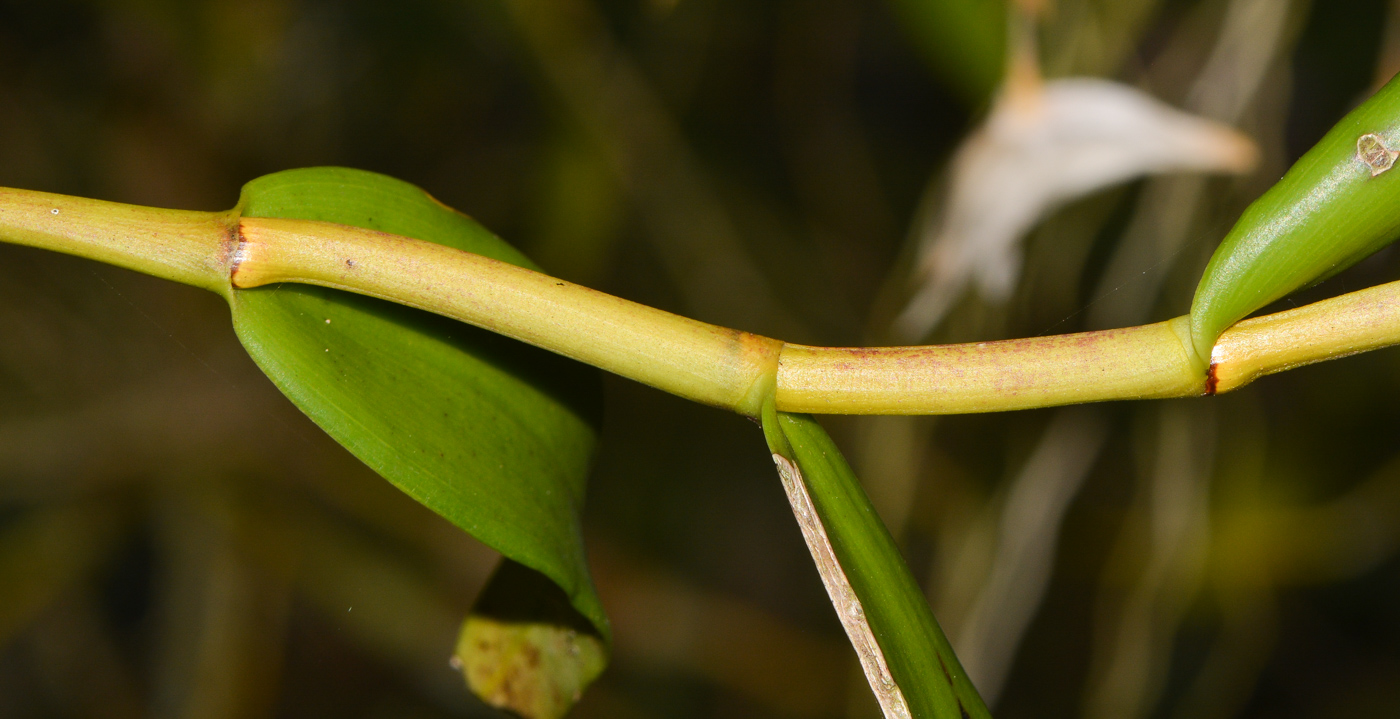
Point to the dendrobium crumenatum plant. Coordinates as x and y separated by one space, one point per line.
392 321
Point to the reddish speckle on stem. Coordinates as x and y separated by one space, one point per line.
1211 380
235 247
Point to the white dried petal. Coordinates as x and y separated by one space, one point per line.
1044 145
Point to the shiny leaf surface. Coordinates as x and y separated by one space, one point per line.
491 434
1338 204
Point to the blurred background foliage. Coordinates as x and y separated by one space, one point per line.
176 541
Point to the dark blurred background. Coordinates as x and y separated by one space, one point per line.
177 541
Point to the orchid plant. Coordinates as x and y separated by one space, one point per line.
452 365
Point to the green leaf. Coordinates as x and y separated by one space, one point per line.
1338 204
919 659
492 434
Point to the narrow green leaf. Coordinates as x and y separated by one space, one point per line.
492 434
1338 204
880 598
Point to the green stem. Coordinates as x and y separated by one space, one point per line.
1151 361
1333 328
702 362
698 361
193 248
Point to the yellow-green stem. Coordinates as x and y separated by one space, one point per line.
194 248
1346 325
702 362
1144 362
709 364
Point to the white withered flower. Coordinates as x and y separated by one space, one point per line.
1044 144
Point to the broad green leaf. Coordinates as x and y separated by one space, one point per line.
1338 204
492 434
907 659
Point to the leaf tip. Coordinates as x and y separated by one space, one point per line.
536 670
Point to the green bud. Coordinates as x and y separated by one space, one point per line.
1334 207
